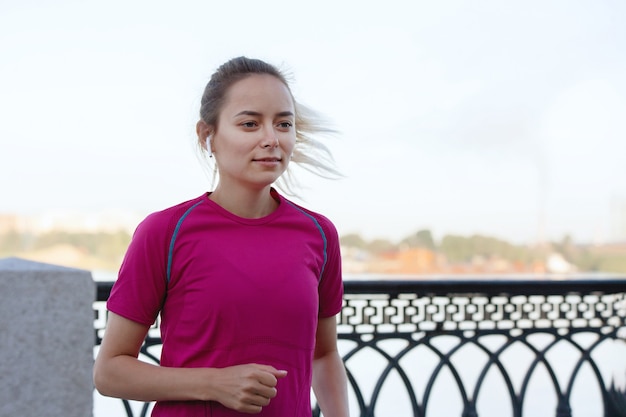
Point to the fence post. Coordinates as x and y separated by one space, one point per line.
46 340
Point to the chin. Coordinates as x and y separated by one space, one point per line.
264 181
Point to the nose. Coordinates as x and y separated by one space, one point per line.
270 139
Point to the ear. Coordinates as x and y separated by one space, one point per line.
203 130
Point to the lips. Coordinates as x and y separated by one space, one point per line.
267 159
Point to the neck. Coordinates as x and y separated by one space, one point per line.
250 204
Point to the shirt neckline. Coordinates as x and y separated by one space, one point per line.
244 220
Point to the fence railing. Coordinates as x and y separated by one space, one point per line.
472 347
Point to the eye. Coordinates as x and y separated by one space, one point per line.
285 125
249 125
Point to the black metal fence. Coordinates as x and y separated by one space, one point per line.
472 347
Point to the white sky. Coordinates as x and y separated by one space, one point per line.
458 116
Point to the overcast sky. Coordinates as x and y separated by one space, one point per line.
491 117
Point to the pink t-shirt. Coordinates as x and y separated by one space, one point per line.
232 290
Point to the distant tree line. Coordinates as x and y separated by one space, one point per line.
106 246
462 249
455 248
109 247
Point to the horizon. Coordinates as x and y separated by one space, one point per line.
114 220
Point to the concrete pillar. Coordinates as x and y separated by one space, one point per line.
46 340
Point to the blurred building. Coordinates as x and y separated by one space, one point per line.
81 222
618 220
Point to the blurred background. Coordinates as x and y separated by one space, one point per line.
475 136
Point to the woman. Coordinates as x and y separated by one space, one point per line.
247 283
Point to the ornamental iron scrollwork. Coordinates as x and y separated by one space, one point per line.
423 348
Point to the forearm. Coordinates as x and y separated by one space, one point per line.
129 378
245 388
330 385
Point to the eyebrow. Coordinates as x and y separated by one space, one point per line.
255 113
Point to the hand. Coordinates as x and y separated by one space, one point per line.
247 388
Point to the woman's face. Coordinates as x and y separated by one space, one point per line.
255 133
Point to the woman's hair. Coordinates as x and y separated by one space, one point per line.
309 153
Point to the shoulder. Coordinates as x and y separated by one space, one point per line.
319 219
167 219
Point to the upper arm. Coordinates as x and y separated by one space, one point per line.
121 337
326 336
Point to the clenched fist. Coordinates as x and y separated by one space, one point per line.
247 388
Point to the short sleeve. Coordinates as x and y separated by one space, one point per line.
331 282
140 288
